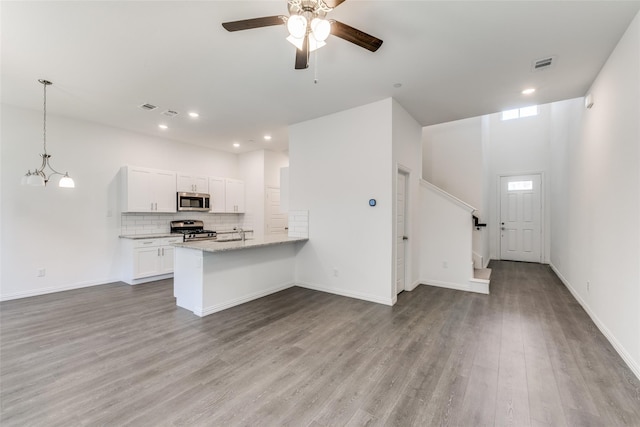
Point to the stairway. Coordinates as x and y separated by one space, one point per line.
481 280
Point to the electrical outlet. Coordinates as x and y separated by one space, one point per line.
588 286
445 264
42 272
335 272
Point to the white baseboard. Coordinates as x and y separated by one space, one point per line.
54 289
632 364
483 287
346 293
147 279
412 286
200 311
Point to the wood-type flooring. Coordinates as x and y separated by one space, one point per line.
116 355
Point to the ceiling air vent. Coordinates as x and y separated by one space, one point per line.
148 107
170 113
543 64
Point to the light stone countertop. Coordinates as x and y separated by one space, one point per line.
149 236
220 246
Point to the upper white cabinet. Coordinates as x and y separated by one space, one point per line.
227 195
187 183
217 192
148 190
234 195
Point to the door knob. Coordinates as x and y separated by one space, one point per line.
502 228
405 238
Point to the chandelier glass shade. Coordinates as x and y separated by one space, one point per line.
40 177
317 29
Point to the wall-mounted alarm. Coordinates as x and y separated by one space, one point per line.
372 202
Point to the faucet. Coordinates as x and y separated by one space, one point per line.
240 232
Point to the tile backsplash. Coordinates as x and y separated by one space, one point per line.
299 224
153 223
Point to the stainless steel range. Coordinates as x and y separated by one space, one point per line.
192 230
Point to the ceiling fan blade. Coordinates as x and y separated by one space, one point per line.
355 36
302 55
247 24
333 3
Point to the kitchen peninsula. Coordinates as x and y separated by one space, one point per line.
210 275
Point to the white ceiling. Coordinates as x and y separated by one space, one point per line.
454 59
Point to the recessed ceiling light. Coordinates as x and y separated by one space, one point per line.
267 137
194 115
163 127
235 144
528 91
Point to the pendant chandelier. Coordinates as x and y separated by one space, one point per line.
40 178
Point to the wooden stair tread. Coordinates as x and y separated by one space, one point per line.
482 273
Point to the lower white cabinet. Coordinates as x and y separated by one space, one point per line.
145 260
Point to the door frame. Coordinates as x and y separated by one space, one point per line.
543 233
402 169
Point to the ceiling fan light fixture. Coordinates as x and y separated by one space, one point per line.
297 26
321 28
313 43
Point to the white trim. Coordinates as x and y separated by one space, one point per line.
404 170
200 311
54 289
413 285
345 293
447 196
482 288
543 255
632 364
148 279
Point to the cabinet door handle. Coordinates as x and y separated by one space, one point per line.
156 206
158 251
151 205
162 251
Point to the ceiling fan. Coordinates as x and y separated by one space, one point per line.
308 28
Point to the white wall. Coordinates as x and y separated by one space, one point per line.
73 234
519 146
456 158
467 157
406 140
445 236
259 169
251 169
273 162
337 163
596 204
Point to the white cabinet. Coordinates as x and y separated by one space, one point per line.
234 195
148 259
187 183
217 193
148 190
227 195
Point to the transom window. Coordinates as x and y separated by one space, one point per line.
519 113
520 185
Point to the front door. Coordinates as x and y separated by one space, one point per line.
520 218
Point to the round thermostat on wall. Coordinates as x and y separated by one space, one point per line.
372 202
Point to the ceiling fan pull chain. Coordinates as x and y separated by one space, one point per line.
315 66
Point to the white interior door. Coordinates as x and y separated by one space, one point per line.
520 218
276 221
401 231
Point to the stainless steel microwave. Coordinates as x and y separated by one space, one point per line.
194 202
